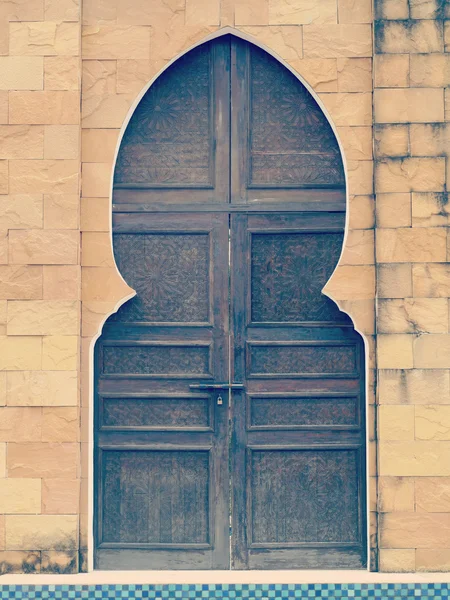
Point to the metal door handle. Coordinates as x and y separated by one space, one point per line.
217 386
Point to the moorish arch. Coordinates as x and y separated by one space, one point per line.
229 392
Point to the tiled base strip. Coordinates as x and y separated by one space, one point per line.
414 591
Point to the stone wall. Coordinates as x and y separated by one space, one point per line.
46 226
412 175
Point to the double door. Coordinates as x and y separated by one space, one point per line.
229 392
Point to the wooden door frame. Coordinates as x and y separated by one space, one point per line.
91 394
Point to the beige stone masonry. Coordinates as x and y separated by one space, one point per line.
21 282
302 12
405 244
394 280
43 317
391 70
21 73
416 105
393 210
391 140
20 496
392 9
413 315
410 174
397 561
44 108
61 73
21 141
432 423
113 41
60 496
60 353
396 423
396 494
44 39
43 460
411 37
20 353
406 530
414 458
62 282
43 247
41 388
432 351
432 560
337 41
395 351
20 425
431 280
61 211
430 70
21 211
432 494
41 531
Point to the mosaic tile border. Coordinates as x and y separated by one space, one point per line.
402 591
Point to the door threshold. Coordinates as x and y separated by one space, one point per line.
222 577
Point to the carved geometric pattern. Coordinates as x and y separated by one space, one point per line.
291 140
152 360
288 273
290 412
295 495
168 139
295 360
156 412
170 274
147 494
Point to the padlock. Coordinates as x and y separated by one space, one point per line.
219 399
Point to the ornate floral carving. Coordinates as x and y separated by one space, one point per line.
170 273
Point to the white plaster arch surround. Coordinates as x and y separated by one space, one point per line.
228 30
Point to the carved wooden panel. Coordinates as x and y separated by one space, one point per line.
156 413
297 495
288 273
319 359
147 494
300 411
168 139
170 273
291 142
156 360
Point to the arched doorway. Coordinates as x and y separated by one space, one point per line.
229 392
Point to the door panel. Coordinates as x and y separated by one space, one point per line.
162 475
299 425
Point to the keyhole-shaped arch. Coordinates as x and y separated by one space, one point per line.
227 146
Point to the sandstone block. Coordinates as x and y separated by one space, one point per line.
413 315
60 496
251 12
432 351
133 76
285 40
359 248
20 496
393 210
392 9
99 145
60 424
41 532
44 38
357 142
414 387
95 214
410 37
352 283
391 70
431 280
337 41
60 353
103 284
4 174
62 141
414 530
447 36
410 174
349 109
21 283
43 317
134 12
106 111
99 10
112 41
21 73
61 211
44 108
2 390
432 422
4 110
42 388
396 423
62 10
96 179
398 105
62 282
433 560
397 561
430 210
21 141
432 493
302 12
430 139
20 424
360 176
426 9
411 245
395 352
3 459
62 73
2 533
20 562
25 10
21 211
43 460
202 12
396 494
430 70
56 562
414 459
94 315
44 176
355 11
43 247
362 313
96 250
320 73
20 353
362 212
391 140
354 74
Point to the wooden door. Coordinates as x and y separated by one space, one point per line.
228 220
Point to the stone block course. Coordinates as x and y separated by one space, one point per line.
44 532
41 388
393 210
44 108
43 247
45 38
337 41
21 73
409 37
410 174
43 317
391 70
301 12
